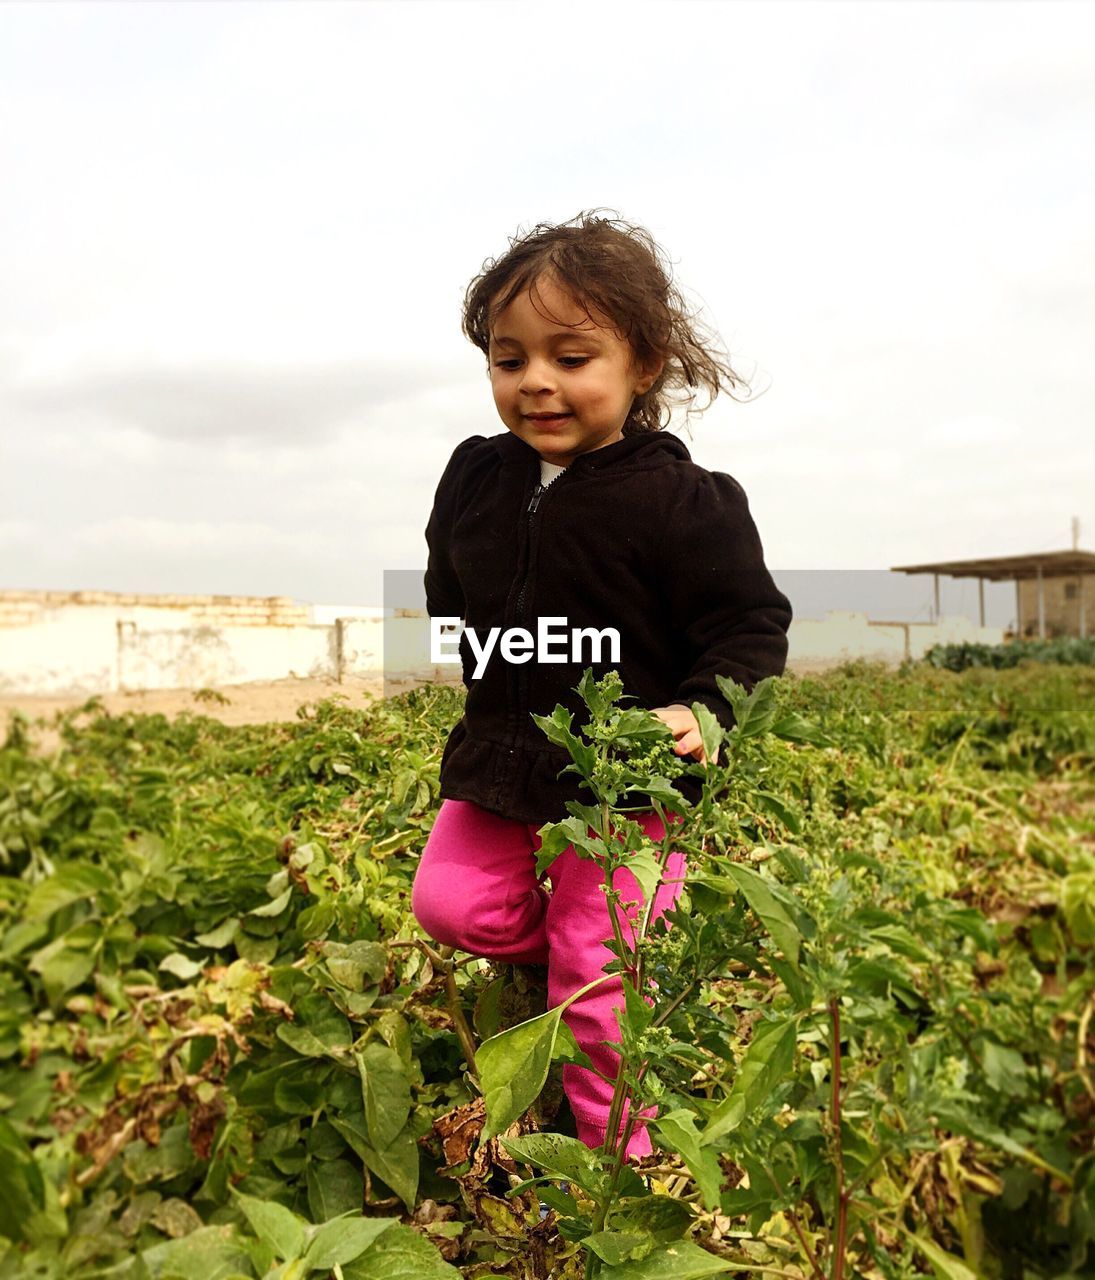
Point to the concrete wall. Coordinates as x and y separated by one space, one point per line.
71 648
1069 605
397 647
204 656
74 655
21 608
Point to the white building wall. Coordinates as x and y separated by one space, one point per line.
326 615
76 655
198 657
76 650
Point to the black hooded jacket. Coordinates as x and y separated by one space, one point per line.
634 536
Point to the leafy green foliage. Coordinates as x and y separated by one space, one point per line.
226 1050
1061 649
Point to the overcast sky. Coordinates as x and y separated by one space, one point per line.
234 240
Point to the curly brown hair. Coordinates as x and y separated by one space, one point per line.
620 270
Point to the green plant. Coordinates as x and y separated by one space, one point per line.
211 986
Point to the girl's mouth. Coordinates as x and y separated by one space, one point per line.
548 419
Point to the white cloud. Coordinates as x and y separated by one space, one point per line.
230 281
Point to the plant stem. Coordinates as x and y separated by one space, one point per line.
442 960
840 1243
796 1226
1081 1048
619 1092
666 850
459 1022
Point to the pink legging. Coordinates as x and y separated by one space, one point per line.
476 890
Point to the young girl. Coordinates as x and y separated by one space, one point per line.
582 514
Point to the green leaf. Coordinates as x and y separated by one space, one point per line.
356 965
342 1240
663 1217
793 728
62 966
210 1253
386 1092
274 908
180 966
29 1201
557 837
772 913
1078 905
970 1126
397 1164
637 728
600 695
662 789
768 1060
69 883
401 1253
1004 1069
566 1049
901 940
335 1187
221 935
645 866
735 694
319 1031
513 1065
274 1224
638 1010
174 1155
677 1129
567 1158
769 802
321 1140
487 1015
557 727
23 935
945 1265
711 732
300 1097
175 1218
753 712
682 1260
590 814
615 1247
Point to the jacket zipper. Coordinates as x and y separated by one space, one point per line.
530 511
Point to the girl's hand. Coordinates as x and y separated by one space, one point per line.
682 724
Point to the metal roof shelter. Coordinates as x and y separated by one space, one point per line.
1039 566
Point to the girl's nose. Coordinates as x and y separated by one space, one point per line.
537 377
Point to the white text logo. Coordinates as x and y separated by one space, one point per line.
517 645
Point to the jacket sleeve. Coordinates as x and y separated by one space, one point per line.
444 594
731 617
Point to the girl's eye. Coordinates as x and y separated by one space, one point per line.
568 362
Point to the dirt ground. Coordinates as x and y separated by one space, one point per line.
261 702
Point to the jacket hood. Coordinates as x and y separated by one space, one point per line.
643 451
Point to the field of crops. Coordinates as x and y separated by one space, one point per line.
226 1050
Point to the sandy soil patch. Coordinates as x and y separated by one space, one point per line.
261 702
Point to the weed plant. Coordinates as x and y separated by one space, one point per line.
226 1050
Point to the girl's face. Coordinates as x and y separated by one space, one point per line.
564 384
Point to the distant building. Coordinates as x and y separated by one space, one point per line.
1054 590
